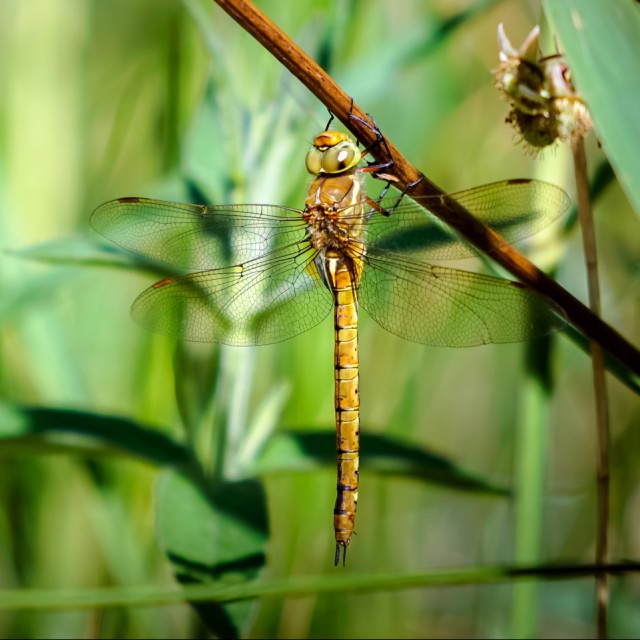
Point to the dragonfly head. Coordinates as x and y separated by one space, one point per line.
333 152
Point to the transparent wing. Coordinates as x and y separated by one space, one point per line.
514 208
266 300
197 236
447 307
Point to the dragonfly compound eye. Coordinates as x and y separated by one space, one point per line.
343 156
314 161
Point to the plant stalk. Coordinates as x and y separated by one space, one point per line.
599 383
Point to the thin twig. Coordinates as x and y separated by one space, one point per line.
599 383
450 211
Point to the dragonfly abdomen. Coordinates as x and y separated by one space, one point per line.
343 277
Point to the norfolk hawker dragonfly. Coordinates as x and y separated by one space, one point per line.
264 273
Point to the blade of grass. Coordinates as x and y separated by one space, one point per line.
531 466
15 599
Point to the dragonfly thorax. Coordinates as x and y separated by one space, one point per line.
324 229
334 212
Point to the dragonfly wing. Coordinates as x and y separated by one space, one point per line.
197 236
515 209
440 306
263 301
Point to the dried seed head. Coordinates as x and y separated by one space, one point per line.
545 106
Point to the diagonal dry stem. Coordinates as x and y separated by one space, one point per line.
342 106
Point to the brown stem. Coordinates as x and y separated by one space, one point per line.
599 383
456 216
566 570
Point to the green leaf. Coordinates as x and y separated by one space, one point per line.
33 290
217 535
51 424
13 422
305 450
86 253
600 40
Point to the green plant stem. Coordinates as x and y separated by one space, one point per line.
30 599
402 173
600 388
531 466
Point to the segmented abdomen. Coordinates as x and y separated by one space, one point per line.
343 277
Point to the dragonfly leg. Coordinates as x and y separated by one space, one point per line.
382 194
409 187
332 117
376 168
373 167
375 204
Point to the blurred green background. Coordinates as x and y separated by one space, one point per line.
109 98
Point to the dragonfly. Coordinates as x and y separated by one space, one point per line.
258 274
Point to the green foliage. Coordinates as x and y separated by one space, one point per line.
112 98
214 534
304 450
600 43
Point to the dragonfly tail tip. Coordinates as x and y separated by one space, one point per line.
341 550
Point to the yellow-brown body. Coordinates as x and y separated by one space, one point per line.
271 292
334 214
